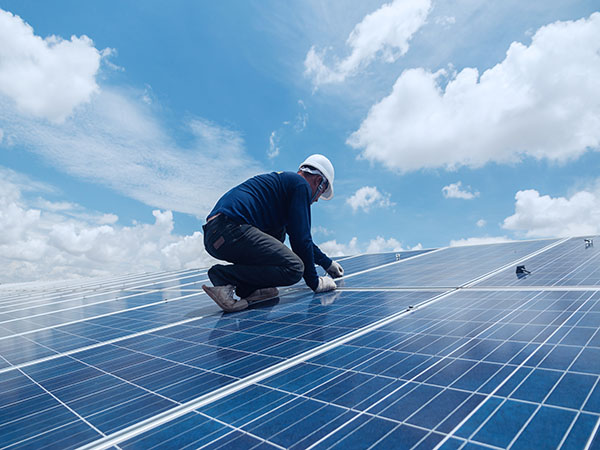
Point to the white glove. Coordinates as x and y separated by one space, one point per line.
326 284
335 270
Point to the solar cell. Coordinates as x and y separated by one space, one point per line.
438 349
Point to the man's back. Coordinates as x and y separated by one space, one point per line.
268 201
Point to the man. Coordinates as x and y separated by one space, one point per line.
247 227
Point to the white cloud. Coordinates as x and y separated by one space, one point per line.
279 137
481 223
479 240
69 209
385 32
445 21
107 219
540 101
46 77
544 216
367 197
455 190
320 230
333 248
50 244
114 137
380 245
116 141
301 118
54 206
273 145
353 247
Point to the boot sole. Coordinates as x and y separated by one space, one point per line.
237 306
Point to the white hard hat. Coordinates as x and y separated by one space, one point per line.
323 165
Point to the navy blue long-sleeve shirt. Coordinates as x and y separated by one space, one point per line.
277 203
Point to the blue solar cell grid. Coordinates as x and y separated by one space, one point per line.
444 348
571 264
451 267
360 263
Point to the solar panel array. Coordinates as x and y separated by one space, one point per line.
446 348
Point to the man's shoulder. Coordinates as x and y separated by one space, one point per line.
291 178
288 182
287 174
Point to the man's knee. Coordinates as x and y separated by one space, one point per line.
295 269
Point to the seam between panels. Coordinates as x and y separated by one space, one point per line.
591 439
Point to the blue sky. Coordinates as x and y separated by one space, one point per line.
121 123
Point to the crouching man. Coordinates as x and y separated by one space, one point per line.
247 228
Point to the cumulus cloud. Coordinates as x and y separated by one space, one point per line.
455 190
479 240
380 244
544 216
49 243
353 247
368 197
481 223
335 248
541 101
48 77
384 33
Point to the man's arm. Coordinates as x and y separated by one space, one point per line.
321 258
298 230
333 268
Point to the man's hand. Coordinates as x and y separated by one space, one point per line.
326 284
335 270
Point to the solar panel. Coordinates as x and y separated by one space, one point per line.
444 348
449 267
360 263
571 264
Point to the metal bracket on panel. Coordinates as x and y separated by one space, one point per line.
588 243
522 272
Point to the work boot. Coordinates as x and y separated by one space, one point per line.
262 294
223 296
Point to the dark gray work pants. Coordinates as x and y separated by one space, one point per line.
259 260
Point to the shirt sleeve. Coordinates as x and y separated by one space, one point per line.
298 230
321 258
